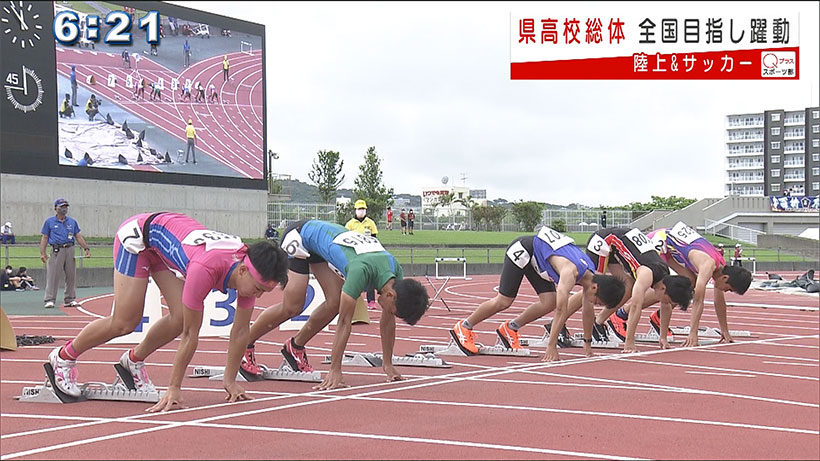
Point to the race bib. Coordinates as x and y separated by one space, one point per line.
640 240
359 242
554 238
292 244
212 240
684 233
659 242
130 237
518 255
598 246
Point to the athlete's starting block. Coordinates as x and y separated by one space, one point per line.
455 349
49 393
283 373
608 340
709 332
427 360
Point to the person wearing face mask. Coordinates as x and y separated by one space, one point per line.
364 225
60 232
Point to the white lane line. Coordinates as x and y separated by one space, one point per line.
714 373
796 364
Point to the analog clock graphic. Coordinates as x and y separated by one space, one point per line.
24 90
20 24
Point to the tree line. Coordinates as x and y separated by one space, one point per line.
326 174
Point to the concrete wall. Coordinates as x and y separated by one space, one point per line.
795 245
101 206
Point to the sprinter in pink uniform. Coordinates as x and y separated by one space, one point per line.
187 261
691 255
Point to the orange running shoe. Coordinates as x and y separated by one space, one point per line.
465 339
655 321
618 326
509 337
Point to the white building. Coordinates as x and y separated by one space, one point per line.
770 153
431 196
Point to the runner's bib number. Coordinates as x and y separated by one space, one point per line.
685 233
640 240
554 238
359 242
130 237
518 255
212 240
292 244
598 246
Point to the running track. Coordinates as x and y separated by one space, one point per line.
757 398
230 131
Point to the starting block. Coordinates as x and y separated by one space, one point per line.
428 360
48 393
454 349
709 332
652 336
283 373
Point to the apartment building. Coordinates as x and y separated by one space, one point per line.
773 153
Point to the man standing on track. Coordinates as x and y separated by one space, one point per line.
60 231
73 78
225 66
186 54
190 133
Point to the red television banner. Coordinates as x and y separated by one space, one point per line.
755 64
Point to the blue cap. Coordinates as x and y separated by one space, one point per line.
60 202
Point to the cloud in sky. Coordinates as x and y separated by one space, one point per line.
429 85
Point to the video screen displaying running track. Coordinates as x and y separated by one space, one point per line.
145 98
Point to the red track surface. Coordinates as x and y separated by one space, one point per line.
757 398
229 131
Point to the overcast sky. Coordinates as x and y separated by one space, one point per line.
429 85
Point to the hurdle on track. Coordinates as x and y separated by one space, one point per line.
463 261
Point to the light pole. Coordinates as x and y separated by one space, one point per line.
271 157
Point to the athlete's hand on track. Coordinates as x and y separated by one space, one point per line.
236 392
629 348
691 340
588 351
551 355
172 397
392 374
333 380
664 344
726 337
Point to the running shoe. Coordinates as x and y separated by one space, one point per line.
465 339
509 337
297 358
655 321
249 362
618 326
371 305
599 332
564 339
65 373
138 373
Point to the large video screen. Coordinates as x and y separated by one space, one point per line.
188 110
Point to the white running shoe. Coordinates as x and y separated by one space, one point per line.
65 373
138 373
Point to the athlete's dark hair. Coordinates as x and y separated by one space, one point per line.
610 289
270 260
739 278
411 300
679 289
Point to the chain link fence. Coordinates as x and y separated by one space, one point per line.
281 214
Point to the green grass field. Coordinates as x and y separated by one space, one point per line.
420 248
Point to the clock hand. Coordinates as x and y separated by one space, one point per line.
19 16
